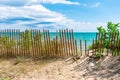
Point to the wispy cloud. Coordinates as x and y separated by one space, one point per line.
36 16
85 5
58 1
97 4
33 15
31 2
28 14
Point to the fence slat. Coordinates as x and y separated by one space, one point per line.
80 48
85 48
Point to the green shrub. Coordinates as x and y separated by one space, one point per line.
97 55
18 60
105 35
90 47
4 78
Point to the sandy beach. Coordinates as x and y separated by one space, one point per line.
62 69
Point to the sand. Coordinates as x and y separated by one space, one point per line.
62 69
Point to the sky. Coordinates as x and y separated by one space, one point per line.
79 15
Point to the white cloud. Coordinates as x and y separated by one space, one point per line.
14 16
96 5
58 1
36 14
34 11
31 2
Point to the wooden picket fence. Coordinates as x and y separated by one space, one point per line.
107 43
39 44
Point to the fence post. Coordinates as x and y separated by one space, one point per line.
0 44
57 45
96 41
76 48
17 41
112 42
80 48
63 44
93 47
85 48
117 43
8 45
68 47
60 44
119 47
72 36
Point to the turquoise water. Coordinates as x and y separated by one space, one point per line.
84 36
88 36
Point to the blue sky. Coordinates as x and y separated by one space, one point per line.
80 15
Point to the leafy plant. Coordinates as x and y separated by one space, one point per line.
18 60
4 78
116 53
26 40
90 47
111 28
97 55
7 43
106 35
101 30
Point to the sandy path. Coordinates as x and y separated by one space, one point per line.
61 70
53 71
